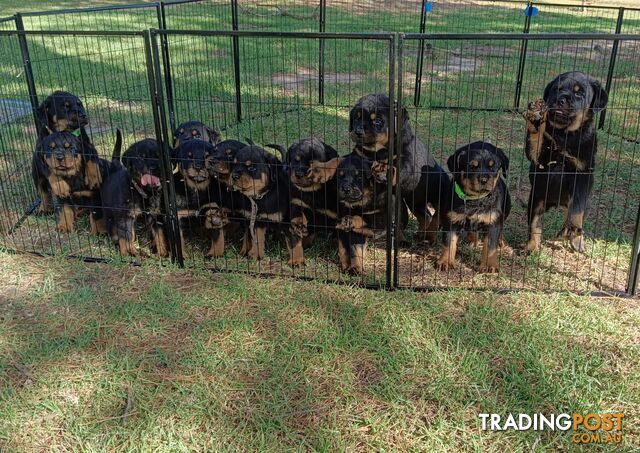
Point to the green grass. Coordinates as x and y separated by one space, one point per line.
228 362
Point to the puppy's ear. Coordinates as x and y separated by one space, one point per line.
504 159
330 152
89 152
42 113
451 163
174 156
214 137
553 85
600 96
454 160
43 133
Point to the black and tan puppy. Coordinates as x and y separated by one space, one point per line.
64 112
362 210
561 145
133 191
259 177
190 130
422 181
200 193
478 202
58 168
314 199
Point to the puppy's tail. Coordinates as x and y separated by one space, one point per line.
281 149
117 148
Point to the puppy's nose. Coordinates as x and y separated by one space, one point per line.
235 176
359 131
484 179
301 172
59 156
197 165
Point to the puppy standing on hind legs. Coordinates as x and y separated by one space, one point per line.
561 146
478 202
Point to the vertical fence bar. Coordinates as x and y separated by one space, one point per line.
634 268
422 29
523 54
236 58
612 62
160 123
322 24
28 70
168 82
390 222
396 214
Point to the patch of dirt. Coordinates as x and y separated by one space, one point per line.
452 65
295 81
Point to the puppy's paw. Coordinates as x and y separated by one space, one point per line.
298 227
321 172
535 114
379 171
215 218
345 223
296 262
92 176
489 268
578 244
445 263
355 270
533 245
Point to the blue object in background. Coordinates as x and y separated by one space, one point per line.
428 6
531 11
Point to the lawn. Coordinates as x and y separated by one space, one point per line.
106 357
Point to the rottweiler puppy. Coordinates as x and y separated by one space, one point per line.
561 145
190 130
259 177
64 112
314 199
362 209
132 191
478 202
422 181
58 169
199 192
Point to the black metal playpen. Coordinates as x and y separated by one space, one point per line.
278 71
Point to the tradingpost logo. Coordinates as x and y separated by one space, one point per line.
588 428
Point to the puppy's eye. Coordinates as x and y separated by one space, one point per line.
182 131
206 155
190 154
228 152
356 172
67 145
378 122
251 169
67 104
52 145
491 164
475 163
341 173
297 158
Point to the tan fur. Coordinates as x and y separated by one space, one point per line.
92 176
355 224
487 218
59 186
321 172
46 202
160 242
328 213
447 258
298 226
257 249
98 226
128 248
489 260
537 112
246 243
343 256
191 183
60 124
357 259
217 246
66 219
299 202
251 187
296 255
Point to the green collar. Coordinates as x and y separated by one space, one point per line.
463 196
76 132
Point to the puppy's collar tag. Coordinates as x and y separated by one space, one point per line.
463 196
76 132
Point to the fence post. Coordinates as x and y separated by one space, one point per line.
236 58
612 63
323 12
28 70
422 29
634 268
168 81
393 107
160 123
396 215
523 54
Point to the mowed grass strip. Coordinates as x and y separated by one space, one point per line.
97 357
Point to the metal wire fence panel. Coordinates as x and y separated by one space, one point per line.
373 16
279 15
198 15
109 74
279 97
7 23
106 18
610 221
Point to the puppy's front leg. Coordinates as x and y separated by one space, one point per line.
447 258
489 260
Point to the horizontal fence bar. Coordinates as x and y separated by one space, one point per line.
278 34
537 3
70 33
7 19
182 2
525 36
91 9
